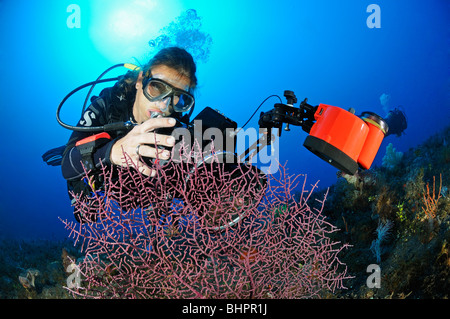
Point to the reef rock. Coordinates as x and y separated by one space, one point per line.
28 277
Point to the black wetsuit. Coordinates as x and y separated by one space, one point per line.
113 105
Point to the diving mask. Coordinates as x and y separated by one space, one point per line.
159 90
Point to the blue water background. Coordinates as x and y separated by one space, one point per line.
322 50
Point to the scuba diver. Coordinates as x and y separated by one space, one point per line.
132 123
150 98
396 120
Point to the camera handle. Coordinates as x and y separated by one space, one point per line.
302 116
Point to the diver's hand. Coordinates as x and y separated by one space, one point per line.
143 135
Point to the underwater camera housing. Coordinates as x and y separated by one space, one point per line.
337 136
209 132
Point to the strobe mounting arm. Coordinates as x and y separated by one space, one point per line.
287 114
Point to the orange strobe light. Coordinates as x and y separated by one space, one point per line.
345 140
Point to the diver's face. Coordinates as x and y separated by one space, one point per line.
143 109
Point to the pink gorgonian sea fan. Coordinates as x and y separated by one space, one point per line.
209 230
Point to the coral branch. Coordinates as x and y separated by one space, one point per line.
430 200
214 230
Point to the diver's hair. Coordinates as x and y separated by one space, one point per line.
173 57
